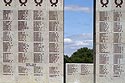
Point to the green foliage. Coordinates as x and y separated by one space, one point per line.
82 55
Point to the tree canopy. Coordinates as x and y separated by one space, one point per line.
82 55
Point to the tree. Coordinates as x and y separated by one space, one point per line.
82 55
66 58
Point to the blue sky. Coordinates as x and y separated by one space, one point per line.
78 24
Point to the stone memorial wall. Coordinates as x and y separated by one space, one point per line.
110 41
31 41
79 73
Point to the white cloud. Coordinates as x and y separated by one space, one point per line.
77 41
84 36
77 8
81 43
67 40
69 43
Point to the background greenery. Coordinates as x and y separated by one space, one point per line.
82 55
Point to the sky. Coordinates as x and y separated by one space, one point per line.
78 25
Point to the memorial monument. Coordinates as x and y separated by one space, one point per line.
110 41
79 73
31 41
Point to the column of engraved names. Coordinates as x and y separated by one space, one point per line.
24 42
72 69
8 42
105 43
39 29
118 44
54 54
